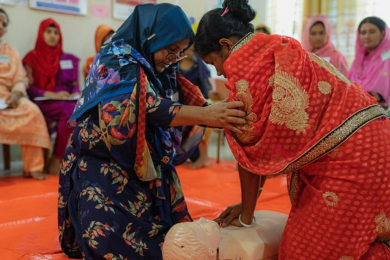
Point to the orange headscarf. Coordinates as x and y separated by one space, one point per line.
101 32
44 59
299 107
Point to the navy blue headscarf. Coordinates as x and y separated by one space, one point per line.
116 68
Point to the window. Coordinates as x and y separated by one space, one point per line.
378 8
285 17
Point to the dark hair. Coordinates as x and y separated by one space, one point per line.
5 13
53 26
317 23
262 29
213 26
378 22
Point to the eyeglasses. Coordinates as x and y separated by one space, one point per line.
171 56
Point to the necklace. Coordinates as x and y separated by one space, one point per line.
244 40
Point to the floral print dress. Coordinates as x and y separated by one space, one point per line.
108 209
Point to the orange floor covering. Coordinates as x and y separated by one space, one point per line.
28 208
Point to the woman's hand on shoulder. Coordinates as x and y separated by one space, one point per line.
226 115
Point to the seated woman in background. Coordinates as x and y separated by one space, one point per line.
53 74
22 123
103 33
317 39
371 66
262 28
196 71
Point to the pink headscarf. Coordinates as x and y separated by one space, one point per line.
372 70
328 51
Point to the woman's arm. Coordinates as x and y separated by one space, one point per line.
250 191
30 76
222 114
32 90
75 88
20 79
249 188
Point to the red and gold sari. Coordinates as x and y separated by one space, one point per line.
331 139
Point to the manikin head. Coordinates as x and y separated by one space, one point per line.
198 240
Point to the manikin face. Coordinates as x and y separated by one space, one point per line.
207 231
173 53
51 36
370 36
198 240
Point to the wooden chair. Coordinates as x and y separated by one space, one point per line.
219 143
7 157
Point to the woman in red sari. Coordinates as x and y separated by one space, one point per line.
309 122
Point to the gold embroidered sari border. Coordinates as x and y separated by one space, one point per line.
336 137
294 185
244 40
387 244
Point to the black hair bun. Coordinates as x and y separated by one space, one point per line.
241 9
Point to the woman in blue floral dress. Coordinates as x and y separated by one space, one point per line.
119 191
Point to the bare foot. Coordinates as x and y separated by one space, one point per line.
202 161
35 175
54 165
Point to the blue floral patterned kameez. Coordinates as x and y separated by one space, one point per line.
109 208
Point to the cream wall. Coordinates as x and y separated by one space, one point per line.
78 31
196 8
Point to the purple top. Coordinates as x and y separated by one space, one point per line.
67 77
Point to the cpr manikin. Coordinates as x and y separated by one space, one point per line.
199 240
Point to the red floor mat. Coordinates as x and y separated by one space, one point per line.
28 208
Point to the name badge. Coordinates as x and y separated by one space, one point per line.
326 58
385 55
66 64
4 59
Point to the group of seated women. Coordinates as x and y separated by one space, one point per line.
41 91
